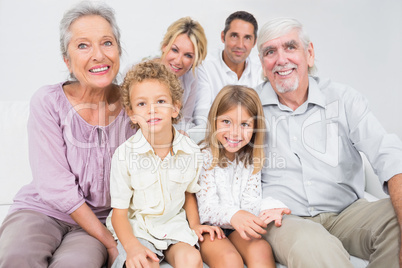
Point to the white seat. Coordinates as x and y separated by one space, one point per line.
16 172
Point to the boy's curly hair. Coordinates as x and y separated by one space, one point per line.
151 70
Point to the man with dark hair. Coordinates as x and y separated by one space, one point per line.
231 65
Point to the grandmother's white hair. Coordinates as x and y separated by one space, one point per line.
86 8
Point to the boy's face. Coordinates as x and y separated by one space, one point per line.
152 106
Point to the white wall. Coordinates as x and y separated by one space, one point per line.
357 42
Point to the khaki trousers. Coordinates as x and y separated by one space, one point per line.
368 230
32 239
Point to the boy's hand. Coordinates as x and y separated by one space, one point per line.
248 225
200 229
137 256
274 214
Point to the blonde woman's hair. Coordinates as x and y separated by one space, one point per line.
195 33
228 98
151 70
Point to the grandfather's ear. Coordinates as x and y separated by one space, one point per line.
310 55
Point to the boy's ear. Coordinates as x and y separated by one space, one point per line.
176 109
130 114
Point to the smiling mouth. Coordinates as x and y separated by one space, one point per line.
233 142
153 121
239 52
284 73
98 70
175 68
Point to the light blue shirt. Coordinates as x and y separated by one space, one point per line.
314 164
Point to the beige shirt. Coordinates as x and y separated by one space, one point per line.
153 190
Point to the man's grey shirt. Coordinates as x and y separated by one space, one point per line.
313 161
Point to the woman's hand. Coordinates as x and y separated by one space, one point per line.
112 255
248 225
274 214
200 229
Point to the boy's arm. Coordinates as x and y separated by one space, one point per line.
124 231
190 206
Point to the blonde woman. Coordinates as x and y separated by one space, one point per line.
184 47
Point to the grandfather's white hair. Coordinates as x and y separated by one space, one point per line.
278 27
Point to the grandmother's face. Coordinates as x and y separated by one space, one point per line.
93 52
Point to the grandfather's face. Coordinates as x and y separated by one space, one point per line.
93 52
285 62
238 40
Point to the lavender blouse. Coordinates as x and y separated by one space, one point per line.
70 159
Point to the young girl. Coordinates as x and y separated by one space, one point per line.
154 175
230 181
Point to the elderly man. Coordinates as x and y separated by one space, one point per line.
316 129
232 65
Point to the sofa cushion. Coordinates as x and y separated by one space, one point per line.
15 169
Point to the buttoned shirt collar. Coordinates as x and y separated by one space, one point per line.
226 68
142 146
269 97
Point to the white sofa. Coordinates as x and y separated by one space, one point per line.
15 169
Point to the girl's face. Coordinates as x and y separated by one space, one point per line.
234 130
180 56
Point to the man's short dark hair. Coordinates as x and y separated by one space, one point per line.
241 15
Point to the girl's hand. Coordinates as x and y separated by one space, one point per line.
274 214
200 229
248 225
138 256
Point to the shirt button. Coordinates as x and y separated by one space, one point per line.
309 182
311 209
294 138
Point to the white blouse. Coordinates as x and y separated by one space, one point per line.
225 191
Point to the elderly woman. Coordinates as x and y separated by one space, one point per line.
74 128
184 47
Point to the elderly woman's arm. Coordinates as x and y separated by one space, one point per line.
90 223
54 181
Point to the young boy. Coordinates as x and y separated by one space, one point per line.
154 177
